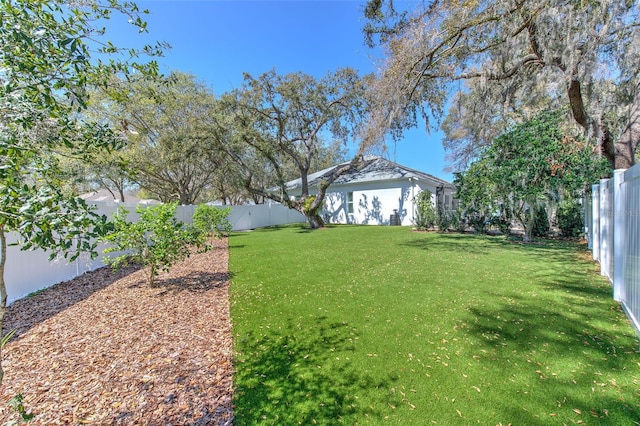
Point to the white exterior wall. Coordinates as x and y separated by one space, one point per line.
374 202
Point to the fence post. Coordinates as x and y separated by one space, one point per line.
605 228
619 233
595 220
587 213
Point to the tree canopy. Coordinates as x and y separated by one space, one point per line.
525 168
170 150
510 59
278 125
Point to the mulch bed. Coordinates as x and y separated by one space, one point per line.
106 348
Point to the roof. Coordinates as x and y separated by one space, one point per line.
103 195
373 169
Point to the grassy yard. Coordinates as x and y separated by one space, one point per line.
377 325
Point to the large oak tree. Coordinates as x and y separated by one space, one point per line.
275 129
516 56
170 150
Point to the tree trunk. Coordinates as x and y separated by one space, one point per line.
113 196
529 223
3 290
626 145
605 142
315 221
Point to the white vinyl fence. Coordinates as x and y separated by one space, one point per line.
613 232
29 271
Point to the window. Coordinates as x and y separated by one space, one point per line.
349 202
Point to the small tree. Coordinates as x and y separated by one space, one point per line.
526 166
157 241
212 220
425 213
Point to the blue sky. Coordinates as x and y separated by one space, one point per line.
220 40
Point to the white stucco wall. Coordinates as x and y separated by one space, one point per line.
374 202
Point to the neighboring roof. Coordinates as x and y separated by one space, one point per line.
103 195
373 169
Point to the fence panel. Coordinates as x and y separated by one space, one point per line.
627 283
588 220
614 236
30 271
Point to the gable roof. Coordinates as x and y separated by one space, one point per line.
373 169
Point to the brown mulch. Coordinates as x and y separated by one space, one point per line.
106 348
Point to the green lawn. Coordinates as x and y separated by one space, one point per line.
377 325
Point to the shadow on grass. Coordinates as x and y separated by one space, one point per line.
300 376
449 242
578 362
560 250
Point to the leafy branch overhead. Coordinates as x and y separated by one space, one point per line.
505 61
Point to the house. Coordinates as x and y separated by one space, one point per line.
375 192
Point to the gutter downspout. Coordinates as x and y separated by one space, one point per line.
413 200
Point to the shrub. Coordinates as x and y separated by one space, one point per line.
570 219
501 223
157 240
458 222
477 221
212 220
425 212
444 219
541 223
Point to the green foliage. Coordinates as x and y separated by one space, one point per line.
475 196
170 137
5 339
16 404
447 219
456 219
47 69
478 222
47 219
157 240
570 219
527 166
541 223
398 325
425 212
308 204
450 219
443 218
212 220
274 127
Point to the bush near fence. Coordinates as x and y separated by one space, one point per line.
30 271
